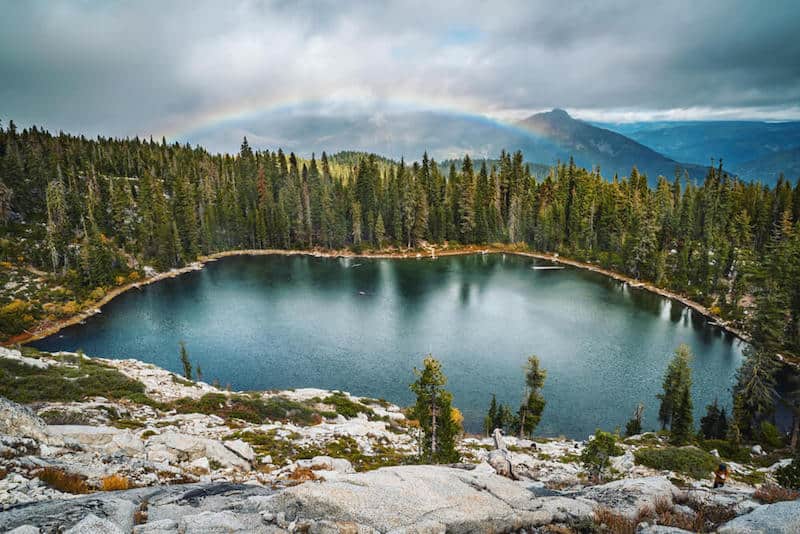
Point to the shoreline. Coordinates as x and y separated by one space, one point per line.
46 330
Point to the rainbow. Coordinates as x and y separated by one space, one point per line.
182 128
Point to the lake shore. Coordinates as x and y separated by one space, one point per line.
48 328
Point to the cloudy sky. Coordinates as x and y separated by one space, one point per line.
207 72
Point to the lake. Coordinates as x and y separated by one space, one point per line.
361 325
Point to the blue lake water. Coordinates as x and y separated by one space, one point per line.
361 325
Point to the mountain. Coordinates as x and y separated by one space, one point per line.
768 168
592 145
739 143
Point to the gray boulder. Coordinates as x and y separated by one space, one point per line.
424 499
92 524
628 495
778 518
18 421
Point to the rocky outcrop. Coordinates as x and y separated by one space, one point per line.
778 518
424 498
628 496
19 421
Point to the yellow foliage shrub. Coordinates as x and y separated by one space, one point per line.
115 483
133 276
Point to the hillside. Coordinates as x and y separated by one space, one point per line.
770 167
742 145
593 146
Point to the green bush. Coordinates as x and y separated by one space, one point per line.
596 456
789 476
688 460
770 435
250 409
77 379
727 450
346 407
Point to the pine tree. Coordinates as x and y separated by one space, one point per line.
682 419
754 390
714 425
533 403
490 422
677 378
634 425
185 362
433 410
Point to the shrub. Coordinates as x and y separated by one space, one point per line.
771 493
15 317
770 435
688 460
789 476
727 450
346 407
114 483
88 378
63 481
596 456
252 410
614 522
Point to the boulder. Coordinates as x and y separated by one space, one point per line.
778 518
424 499
326 463
19 421
172 447
242 449
628 495
225 522
127 443
87 435
92 524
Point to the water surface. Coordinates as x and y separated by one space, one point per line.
361 325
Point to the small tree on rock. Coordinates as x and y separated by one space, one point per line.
185 362
596 456
634 425
434 412
530 411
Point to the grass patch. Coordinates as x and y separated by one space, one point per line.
63 481
689 460
283 449
115 483
74 380
250 409
569 458
346 407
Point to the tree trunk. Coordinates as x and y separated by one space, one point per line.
795 430
433 424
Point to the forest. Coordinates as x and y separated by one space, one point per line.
93 213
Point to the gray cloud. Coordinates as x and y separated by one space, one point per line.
125 68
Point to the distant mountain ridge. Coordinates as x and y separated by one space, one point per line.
753 150
613 152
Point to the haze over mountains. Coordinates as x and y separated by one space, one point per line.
752 150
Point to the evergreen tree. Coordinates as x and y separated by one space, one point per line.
634 425
677 378
533 403
714 425
433 410
682 419
185 362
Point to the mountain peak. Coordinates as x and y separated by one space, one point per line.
558 113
